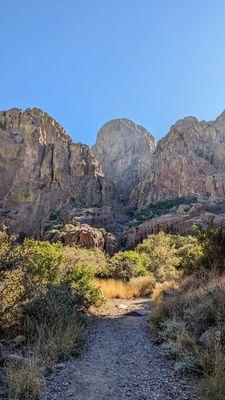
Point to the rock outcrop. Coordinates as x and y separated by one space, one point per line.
86 236
43 173
170 223
124 151
189 161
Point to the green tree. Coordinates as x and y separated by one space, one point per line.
160 256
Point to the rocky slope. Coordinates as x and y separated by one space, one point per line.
124 151
46 178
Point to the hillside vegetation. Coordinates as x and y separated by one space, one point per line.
46 289
189 315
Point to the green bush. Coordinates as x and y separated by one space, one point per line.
126 265
92 259
44 259
160 255
12 254
81 281
189 251
16 285
212 240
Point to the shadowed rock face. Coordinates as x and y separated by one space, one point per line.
124 151
43 171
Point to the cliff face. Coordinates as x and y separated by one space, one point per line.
43 172
124 151
189 161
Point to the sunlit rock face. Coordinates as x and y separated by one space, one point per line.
43 171
189 161
124 151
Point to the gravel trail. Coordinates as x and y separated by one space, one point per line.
120 361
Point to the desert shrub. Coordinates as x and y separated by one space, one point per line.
160 256
54 323
44 259
168 256
184 317
45 290
58 342
212 240
16 285
76 257
163 207
81 282
58 303
12 255
126 265
212 361
189 251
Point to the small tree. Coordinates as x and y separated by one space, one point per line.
127 264
189 250
160 256
212 240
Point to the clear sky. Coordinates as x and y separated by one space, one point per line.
88 61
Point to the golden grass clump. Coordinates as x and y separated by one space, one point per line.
24 382
58 342
136 287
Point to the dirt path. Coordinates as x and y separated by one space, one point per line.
120 362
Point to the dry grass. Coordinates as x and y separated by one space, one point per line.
58 342
51 345
23 381
181 316
161 287
136 287
213 383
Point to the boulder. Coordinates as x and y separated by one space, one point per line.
112 245
85 235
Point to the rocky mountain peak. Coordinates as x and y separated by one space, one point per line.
124 151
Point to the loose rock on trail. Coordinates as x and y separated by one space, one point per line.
120 361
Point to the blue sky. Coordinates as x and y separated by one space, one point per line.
88 61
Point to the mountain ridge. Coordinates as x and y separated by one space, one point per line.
117 184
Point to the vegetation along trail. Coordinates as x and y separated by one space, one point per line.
121 361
